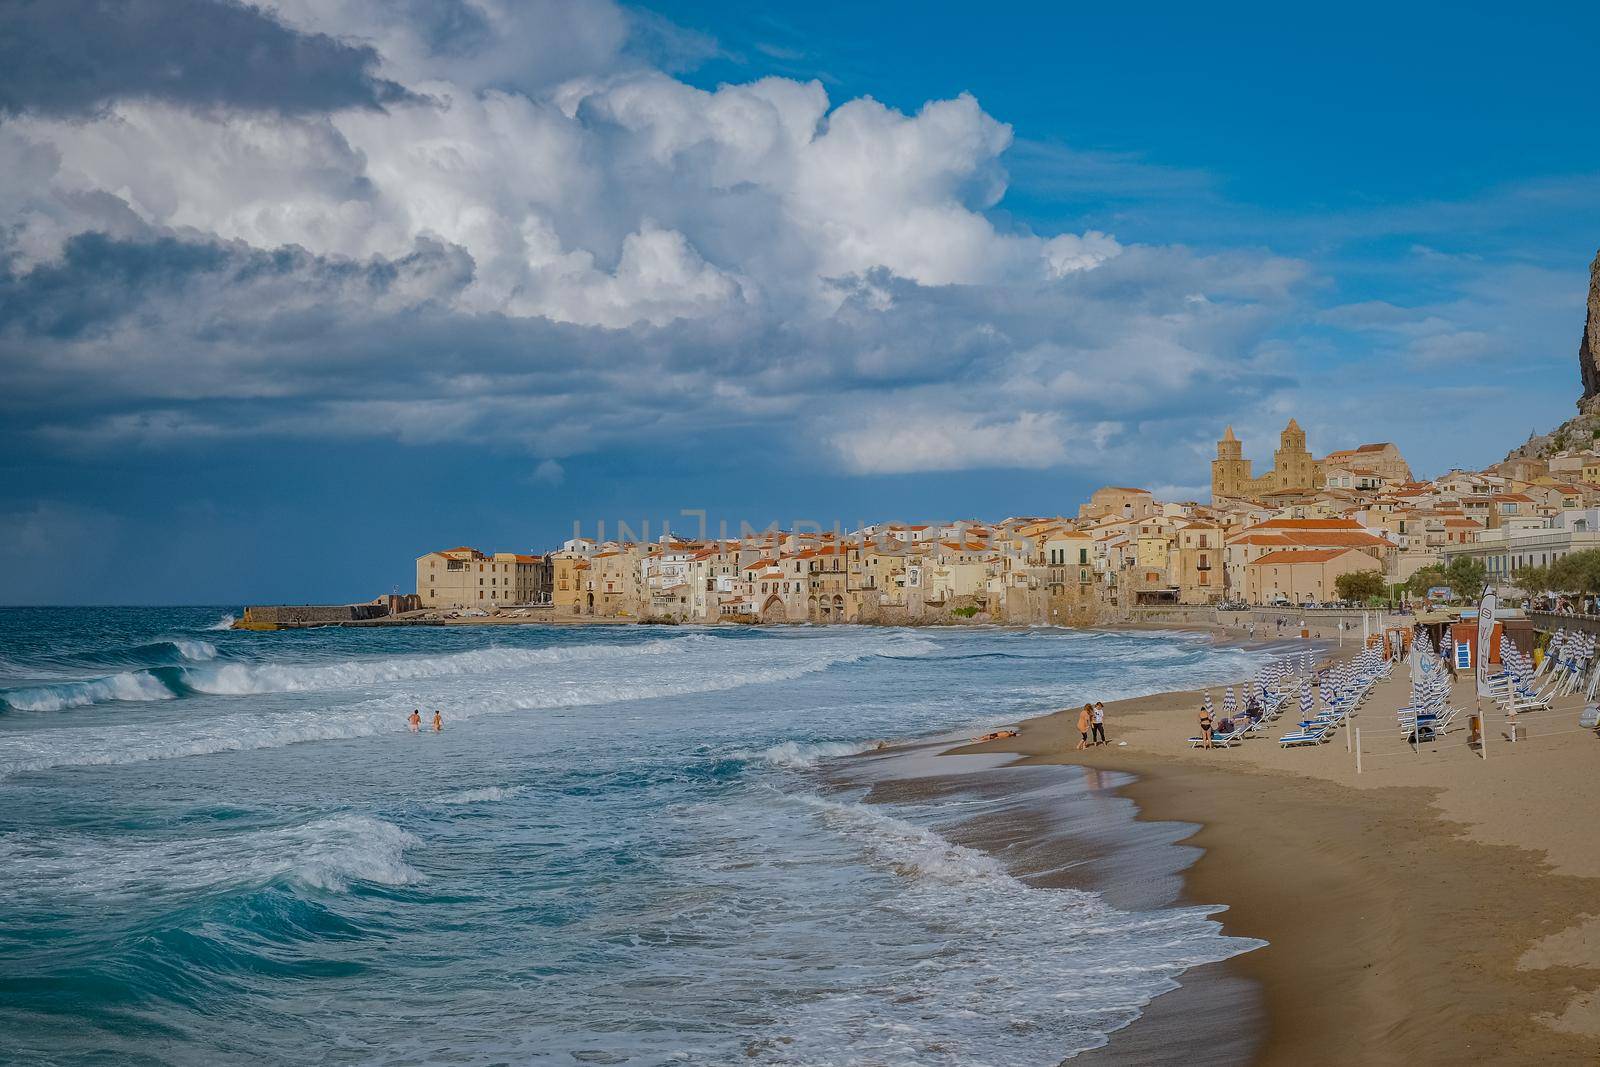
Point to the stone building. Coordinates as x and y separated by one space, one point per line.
1296 473
466 578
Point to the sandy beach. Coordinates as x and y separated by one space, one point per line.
1439 907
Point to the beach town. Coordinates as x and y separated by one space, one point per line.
1346 528
923 535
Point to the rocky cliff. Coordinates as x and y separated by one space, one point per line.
1583 431
1589 347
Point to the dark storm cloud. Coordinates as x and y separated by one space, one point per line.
73 57
157 341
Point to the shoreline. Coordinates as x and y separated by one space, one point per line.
1403 924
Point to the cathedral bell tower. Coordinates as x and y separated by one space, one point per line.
1230 471
1293 467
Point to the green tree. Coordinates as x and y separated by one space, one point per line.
1534 580
1424 579
1578 572
1359 586
1465 576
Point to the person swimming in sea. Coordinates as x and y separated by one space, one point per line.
438 723
414 720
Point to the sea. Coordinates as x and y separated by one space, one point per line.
624 847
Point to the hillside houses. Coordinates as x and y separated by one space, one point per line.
1283 535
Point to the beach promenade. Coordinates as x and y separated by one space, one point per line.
1439 906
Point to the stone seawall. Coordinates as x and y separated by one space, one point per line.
288 616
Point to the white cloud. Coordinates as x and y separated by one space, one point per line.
568 245
931 440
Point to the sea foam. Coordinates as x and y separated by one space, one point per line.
503 691
330 853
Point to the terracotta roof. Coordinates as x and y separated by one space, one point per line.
1333 538
1311 555
1308 524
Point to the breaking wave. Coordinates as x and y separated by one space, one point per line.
57 696
328 854
133 743
224 623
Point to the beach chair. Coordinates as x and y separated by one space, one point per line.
1304 737
1429 727
1221 740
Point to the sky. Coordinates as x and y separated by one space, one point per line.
295 292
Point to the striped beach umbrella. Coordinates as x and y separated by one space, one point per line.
1207 703
1305 701
1228 704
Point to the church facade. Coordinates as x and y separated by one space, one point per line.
1295 469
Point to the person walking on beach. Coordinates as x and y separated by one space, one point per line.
1083 726
414 720
1205 726
1099 718
438 722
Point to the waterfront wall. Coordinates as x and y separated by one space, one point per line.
276 616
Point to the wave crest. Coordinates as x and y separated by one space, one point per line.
329 854
126 686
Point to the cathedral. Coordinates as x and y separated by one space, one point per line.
1295 470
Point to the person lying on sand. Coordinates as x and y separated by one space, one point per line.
995 735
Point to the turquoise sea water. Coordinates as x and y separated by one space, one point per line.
222 847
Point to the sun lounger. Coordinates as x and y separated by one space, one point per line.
1304 737
1221 740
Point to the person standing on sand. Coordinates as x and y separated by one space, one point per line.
1205 726
438 722
1083 726
414 720
1099 719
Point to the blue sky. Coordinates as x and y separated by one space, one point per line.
380 276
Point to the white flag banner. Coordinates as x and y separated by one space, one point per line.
1486 610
